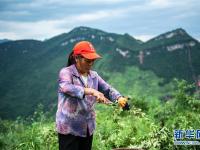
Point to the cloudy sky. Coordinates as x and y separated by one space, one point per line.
143 19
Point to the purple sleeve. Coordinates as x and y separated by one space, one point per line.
66 86
109 92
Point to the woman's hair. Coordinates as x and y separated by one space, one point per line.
71 60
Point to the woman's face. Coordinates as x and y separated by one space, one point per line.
84 65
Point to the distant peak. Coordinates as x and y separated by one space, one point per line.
78 29
86 29
128 35
179 31
82 28
171 34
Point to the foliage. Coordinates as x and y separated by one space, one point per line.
152 129
34 133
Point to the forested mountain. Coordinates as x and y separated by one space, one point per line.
4 40
29 68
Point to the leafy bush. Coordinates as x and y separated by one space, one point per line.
148 125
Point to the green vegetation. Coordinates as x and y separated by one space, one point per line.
34 133
148 125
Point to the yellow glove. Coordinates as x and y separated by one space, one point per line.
122 101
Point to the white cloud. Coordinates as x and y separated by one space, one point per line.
9 35
15 13
31 30
142 14
173 4
160 3
95 1
54 3
185 15
48 28
90 16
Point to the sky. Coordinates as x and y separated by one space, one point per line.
142 19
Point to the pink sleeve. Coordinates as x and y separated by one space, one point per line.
110 93
66 86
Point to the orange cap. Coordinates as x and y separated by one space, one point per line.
85 49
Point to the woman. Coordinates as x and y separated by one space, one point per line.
79 89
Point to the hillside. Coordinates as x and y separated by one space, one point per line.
4 40
29 68
173 54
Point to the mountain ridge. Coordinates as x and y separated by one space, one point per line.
29 68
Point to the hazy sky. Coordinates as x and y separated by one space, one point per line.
143 19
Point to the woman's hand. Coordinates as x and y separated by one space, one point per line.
99 96
122 101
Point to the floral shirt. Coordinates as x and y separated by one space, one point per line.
75 113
